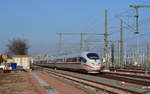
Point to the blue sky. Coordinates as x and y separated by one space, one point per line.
40 20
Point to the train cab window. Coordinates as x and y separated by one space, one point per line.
93 56
82 59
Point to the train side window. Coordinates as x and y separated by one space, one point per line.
72 59
67 60
59 60
82 59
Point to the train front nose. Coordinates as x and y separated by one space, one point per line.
93 62
93 66
94 59
96 64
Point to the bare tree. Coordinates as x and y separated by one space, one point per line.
17 47
1 59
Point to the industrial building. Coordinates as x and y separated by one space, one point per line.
22 60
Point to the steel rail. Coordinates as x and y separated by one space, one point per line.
127 79
109 86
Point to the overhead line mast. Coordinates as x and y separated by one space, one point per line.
121 44
137 15
106 42
81 38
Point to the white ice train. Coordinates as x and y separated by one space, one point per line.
88 62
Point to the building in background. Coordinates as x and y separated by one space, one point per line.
22 60
9 60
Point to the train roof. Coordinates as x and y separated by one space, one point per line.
74 54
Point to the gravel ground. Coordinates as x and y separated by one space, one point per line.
59 86
19 83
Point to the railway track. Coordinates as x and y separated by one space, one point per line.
133 79
132 71
101 85
142 76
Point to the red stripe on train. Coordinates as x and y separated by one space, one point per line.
91 66
79 63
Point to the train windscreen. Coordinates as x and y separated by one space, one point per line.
93 56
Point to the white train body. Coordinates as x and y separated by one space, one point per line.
86 61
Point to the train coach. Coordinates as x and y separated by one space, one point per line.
88 62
